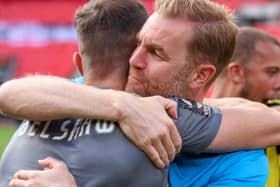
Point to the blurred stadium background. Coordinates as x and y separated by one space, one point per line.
37 37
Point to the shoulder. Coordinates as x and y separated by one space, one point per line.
196 107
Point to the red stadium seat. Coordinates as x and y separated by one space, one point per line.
48 12
53 59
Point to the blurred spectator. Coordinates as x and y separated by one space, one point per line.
251 14
7 72
254 73
7 68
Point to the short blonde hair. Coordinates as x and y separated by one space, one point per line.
214 30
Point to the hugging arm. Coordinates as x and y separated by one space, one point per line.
49 97
238 124
245 125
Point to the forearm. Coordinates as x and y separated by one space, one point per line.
48 97
225 102
276 107
247 126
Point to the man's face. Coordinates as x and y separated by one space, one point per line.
159 65
262 74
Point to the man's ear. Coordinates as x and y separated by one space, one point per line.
203 74
77 60
235 73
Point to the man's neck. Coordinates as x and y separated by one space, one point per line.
225 89
196 95
106 84
113 76
113 82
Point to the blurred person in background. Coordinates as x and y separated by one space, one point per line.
97 23
7 72
254 73
7 68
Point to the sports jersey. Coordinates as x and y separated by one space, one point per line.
236 169
273 177
272 154
248 168
97 152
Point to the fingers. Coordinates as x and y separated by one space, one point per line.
152 153
171 109
169 147
162 151
24 174
164 144
175 138
154 132
49 163
23 178
170 106
171 138
18 183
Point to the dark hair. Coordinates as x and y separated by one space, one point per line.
246 43
108 28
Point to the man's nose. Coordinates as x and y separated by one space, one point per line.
137 60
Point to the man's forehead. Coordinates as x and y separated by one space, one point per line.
161 27
268 50
266 55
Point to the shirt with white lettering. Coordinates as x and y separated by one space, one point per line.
97 152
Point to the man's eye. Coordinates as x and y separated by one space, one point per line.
272 71
155 52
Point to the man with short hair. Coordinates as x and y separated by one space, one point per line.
92 147
254 73
70 139
156 51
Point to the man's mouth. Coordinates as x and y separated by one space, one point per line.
134 77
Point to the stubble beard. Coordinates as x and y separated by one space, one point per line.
175 86
245 93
